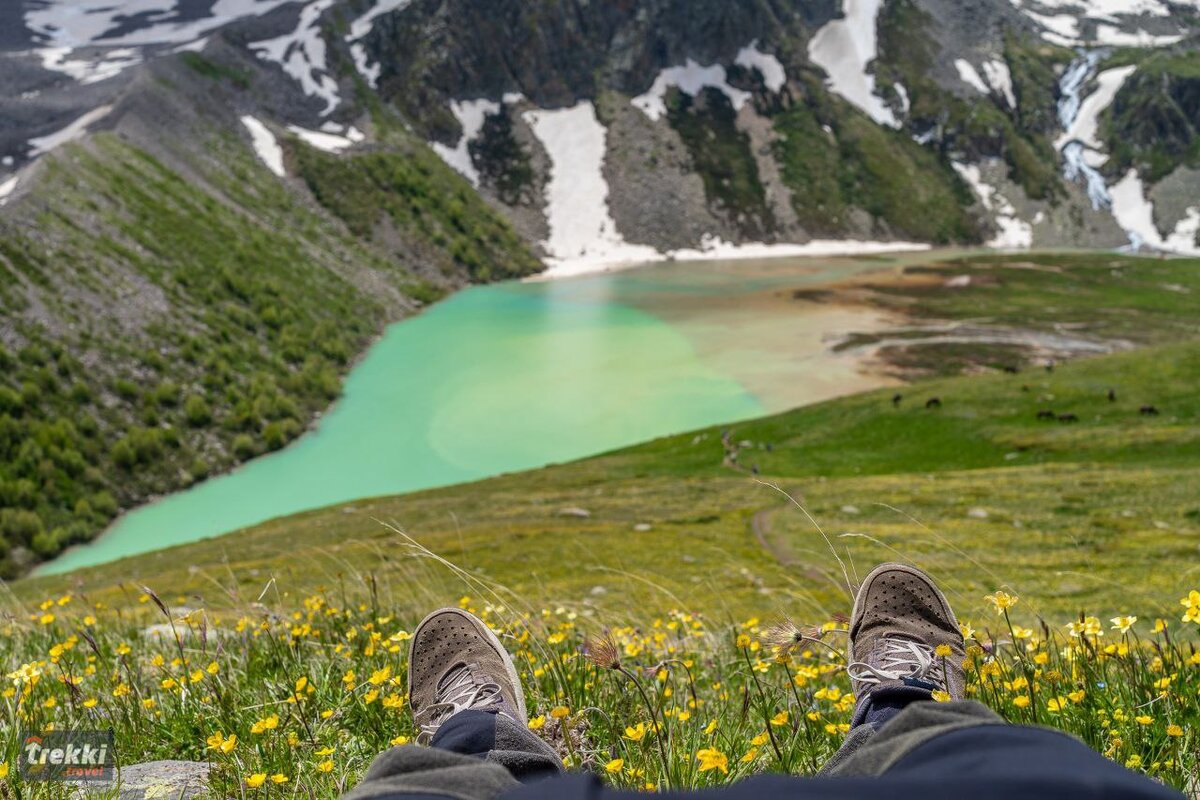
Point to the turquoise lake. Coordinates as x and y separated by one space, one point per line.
515 376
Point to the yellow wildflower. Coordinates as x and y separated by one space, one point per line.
1123 623
780 719
1002 601
637 732
399 740
1174 730
940 696
711 758
256 780
218 742
1021 701
279 777
614 766
266 724
537 723
325 766
558 712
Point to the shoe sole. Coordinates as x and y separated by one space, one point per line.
856 614
491 639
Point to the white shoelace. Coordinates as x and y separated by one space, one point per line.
458 690
900 659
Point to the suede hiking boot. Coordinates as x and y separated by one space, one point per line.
456 663
901 621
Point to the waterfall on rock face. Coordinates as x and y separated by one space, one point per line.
1074 152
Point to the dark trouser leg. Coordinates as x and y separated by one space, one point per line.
476 755
874 746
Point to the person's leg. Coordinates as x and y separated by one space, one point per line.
905 644
468 704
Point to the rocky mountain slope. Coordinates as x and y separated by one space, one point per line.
209 207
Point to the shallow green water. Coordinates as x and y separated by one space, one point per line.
514 376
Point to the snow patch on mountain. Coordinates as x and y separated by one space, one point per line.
359 29
583 236
844 48
968 74
62 26
44 144
713 248
7 188
265 145
750 57
999 77
1135 213
99 66
1015 233
334 140
1061 21
470 115
1111 36
301 54
691 79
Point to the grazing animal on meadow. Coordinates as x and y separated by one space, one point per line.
896 398
1068 418
933 402
1112 395
1148 411
1049 366
754 468
1046 414
1025 387
1011 370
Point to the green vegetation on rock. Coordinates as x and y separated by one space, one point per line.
166 327
425 200
1153 124
837 161
721 155
979 127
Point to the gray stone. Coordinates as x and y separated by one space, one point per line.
153 780
580 513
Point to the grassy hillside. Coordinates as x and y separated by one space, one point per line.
279 653
980 490
169 309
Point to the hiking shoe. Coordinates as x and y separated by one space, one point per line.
900 621
456 663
